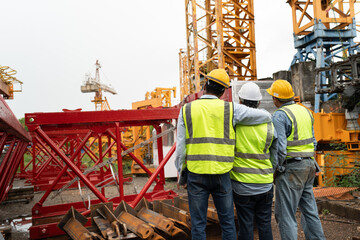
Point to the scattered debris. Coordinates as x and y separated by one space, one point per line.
25 193
142 222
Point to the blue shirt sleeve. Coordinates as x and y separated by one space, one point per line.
180 143
273 151
283 127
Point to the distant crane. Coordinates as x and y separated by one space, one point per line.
94 85
7 81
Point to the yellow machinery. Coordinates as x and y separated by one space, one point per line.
94 85
7 81
160 97
343 153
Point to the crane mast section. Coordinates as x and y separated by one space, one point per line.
334 15
220 34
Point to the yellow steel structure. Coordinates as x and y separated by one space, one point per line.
330 129
162 93
334 14
220 34
185 87
7 81
160 97
94 85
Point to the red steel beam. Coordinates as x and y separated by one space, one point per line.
161 183
10 124
51 157
47 193
70 164
80 120
3 141
131 154
119 160
153 176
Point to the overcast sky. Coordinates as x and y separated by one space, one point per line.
53 44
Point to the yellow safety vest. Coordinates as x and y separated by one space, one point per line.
210 136
300 143
252 156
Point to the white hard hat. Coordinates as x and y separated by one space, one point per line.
250 91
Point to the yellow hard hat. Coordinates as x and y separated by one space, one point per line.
281 89
219 76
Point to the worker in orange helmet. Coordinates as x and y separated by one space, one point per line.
296 165
205 152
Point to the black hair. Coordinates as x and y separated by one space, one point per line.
214 88
250 103
285 100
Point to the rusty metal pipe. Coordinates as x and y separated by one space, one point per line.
137 226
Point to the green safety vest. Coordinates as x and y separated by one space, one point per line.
300 143
252 155
210 136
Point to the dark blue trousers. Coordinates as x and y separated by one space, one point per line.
199 187
258 208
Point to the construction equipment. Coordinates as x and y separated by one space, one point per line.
50 127
94 85
160 97
7 81
324 33
220 34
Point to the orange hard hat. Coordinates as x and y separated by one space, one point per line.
219 76
281 89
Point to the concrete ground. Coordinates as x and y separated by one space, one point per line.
335 227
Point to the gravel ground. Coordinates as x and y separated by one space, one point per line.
335 227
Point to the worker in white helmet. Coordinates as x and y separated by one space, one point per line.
205 152
252 173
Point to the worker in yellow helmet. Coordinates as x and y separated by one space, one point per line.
205 152
252 174
296 165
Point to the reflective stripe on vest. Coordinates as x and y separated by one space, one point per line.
252 157
210 136
300 143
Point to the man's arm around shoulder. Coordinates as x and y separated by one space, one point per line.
250 116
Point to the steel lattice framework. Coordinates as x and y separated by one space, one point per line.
13 143
324 32
220 34
334 14
63 139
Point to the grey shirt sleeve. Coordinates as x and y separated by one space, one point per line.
180 143
315 142
249 116
282 126
273 151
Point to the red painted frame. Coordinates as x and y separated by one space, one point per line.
14 136
48 127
